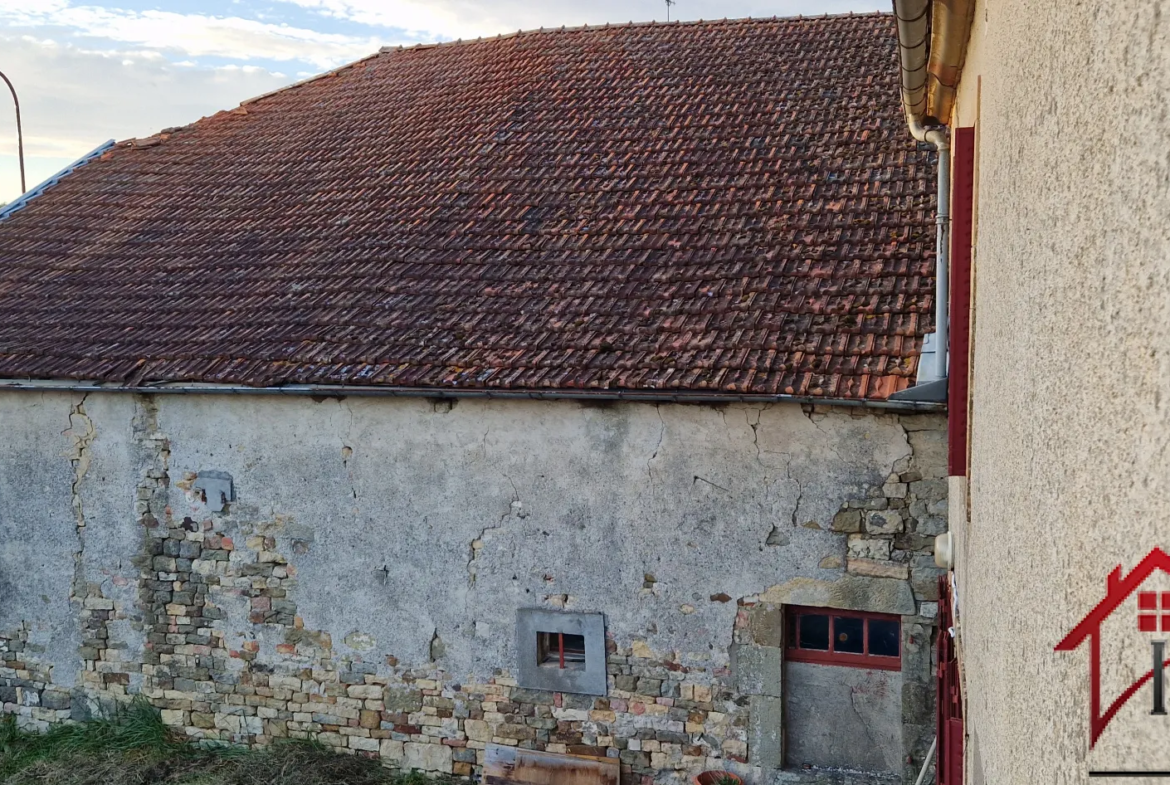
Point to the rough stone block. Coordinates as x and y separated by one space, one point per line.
849 592
766 626
929 490
536 697
52 699
391 750
878 569
884 522
625 683
847 521
400 700
894 490
477 730
173 717
931 526
363 743
862 547
924 581
427 757
917 703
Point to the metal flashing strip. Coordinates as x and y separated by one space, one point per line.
335 390
35 191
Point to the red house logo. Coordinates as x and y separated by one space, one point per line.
1153 616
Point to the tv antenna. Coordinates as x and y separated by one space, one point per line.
669 3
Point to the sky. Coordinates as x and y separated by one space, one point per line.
90 71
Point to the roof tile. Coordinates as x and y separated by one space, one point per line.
721 206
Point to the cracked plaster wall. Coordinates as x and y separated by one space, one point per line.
416 528
487 507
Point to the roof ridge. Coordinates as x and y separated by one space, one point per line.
632 24
308 79
503 36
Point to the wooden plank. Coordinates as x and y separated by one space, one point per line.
514 766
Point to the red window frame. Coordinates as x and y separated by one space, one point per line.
795 653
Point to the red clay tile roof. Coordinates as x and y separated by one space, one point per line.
721 206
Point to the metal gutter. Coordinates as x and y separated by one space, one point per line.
932 42
925 56
913 45
331 390
950 28
28 196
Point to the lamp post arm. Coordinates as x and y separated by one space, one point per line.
19 134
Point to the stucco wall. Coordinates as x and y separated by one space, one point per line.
848 717
396 538
1070 470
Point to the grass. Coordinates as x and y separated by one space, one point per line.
136 748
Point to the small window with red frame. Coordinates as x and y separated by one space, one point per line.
833 637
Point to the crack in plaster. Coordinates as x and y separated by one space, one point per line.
864 725
658 446
514 508
799 491
697 478
810 413
81 433
755 426
347 451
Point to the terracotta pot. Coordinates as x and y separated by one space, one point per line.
712 777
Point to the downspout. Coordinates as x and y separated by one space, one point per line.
914 35
942 255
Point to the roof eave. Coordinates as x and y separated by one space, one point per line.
646 396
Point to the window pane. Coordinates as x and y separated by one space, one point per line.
814 632
574 648
883 637
847 634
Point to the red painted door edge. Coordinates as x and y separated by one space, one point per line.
962 225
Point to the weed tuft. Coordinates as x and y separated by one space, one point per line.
136 748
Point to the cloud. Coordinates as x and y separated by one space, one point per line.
191 35
73 99
87 72
448 19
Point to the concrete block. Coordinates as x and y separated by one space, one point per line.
757 669
765 732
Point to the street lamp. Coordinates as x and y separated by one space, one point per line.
19 135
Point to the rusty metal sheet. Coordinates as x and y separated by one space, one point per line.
514 766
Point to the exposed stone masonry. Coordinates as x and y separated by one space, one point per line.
228 658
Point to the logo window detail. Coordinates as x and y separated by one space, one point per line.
1148 611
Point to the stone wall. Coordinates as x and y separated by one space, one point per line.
361 589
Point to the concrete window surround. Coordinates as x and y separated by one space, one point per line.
589 680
